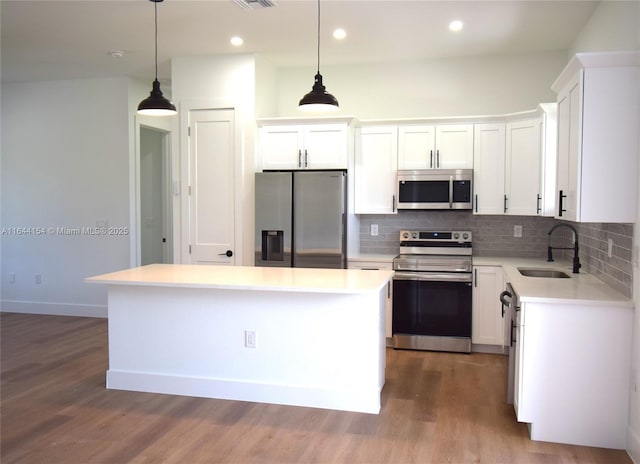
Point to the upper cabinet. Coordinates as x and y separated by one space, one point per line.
488 170
376 159
445 146
514 164
523 168
304 146
598 120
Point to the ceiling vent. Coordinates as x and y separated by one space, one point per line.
255 4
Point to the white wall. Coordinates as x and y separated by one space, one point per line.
614 25
65 165
431 88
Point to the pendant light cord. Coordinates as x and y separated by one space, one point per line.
155 5
318 36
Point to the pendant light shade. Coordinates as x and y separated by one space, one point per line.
156 104
318 99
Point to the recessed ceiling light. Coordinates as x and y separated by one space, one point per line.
339 34
456 25
236 41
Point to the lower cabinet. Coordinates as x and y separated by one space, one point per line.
376 266
488 321
572 375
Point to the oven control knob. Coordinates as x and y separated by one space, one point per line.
414 235
405 235
456 236
465 236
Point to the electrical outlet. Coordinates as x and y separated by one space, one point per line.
609 248
38 279
517 231
374 229
12 277
249 339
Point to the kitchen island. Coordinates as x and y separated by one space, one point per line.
304 337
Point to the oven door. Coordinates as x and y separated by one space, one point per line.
432 311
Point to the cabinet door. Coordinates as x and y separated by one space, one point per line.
280 147
487 321
325 146
375 170
569 120
488 171
454 146
375 266
522 180
416 145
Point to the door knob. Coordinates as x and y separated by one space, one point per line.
227 253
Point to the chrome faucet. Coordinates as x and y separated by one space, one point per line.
576 260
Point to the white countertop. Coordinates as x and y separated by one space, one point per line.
580 288
249 278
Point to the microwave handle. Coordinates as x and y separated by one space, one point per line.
450 192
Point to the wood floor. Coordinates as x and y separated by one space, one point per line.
437 408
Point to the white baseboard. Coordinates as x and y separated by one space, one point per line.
53 309
356 400
633 444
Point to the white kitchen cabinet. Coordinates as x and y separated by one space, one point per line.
523 167
376 161
548 157
572 375
488 322
442 146
376 266
598 120
304 146
488 168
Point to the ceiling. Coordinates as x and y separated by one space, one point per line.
50 40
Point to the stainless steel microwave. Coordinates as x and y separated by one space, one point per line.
435 189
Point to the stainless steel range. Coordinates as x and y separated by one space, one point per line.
432 291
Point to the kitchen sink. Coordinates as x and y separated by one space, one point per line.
541 272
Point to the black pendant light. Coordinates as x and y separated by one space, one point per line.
318 99
155 104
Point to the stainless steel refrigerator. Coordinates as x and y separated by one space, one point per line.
301 219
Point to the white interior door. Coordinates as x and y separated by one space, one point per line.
211 186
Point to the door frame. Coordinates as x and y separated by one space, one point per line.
183 237
165 126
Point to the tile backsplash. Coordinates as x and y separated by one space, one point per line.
494 236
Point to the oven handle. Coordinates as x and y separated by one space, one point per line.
503 300
432 277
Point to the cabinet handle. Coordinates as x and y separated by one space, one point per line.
299 158
560 201
476 196
475 277
393 203
437 158
505 203
538 208
388 290
513 340
306 159
431 158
